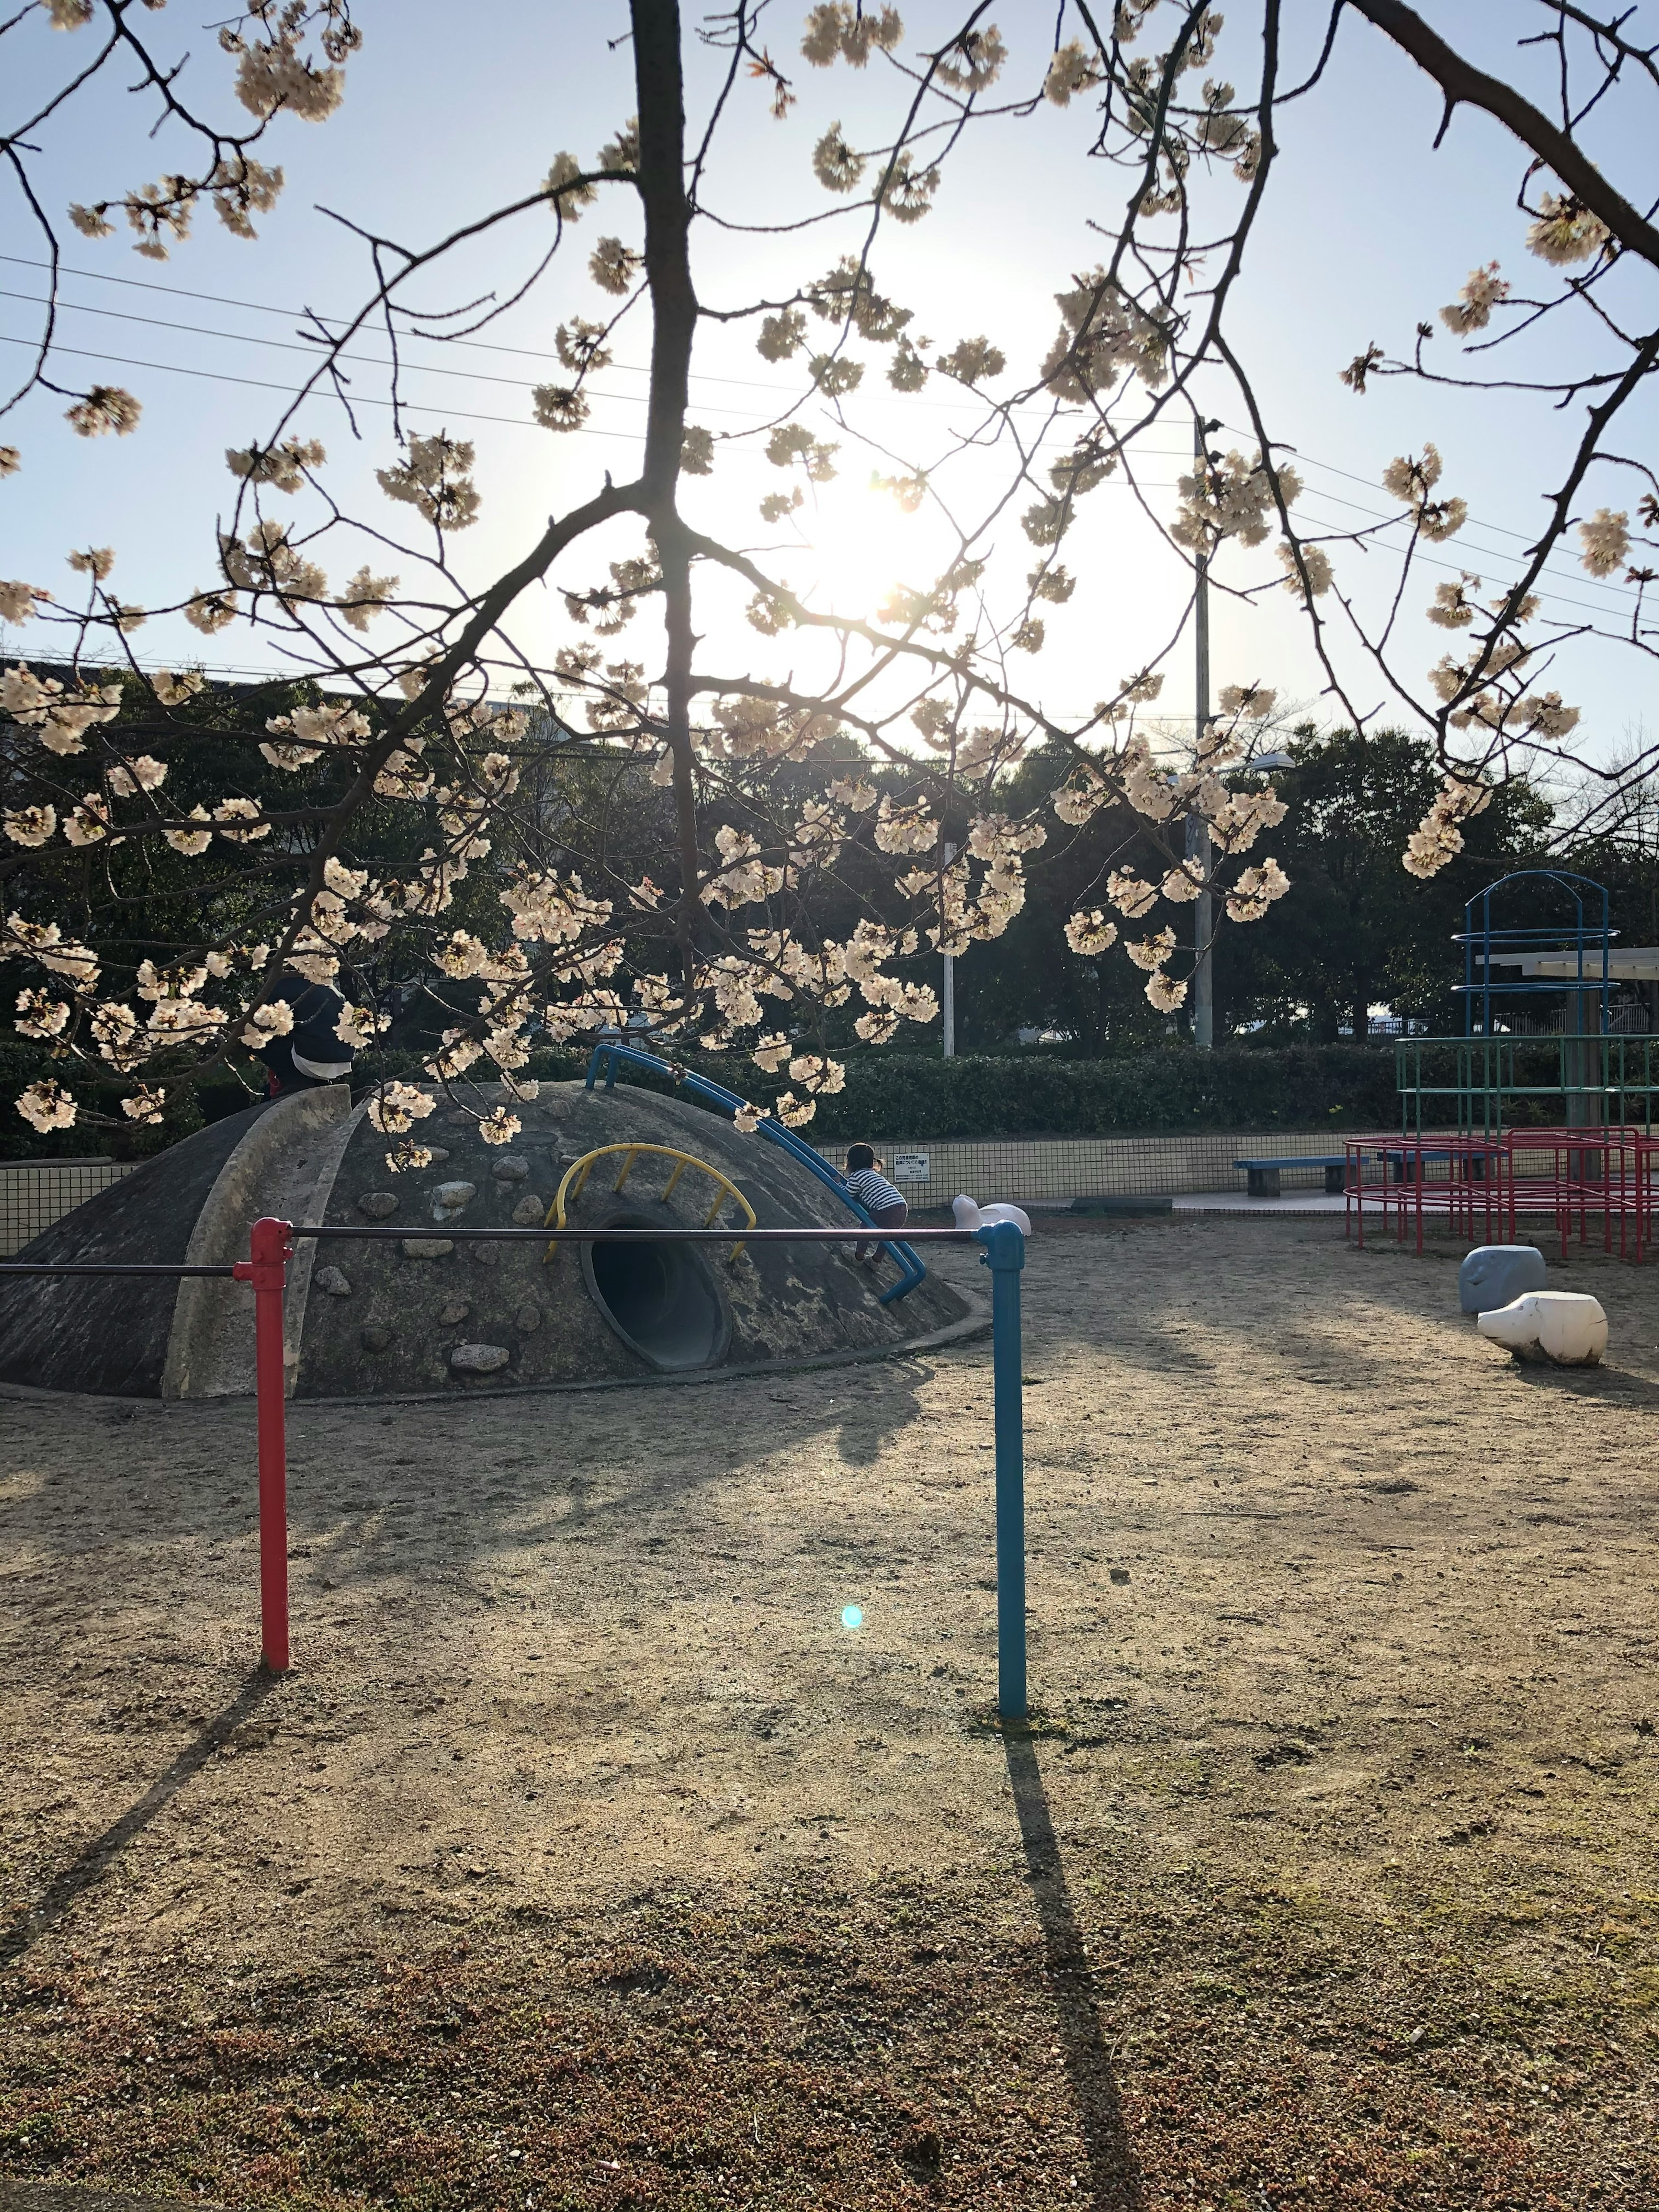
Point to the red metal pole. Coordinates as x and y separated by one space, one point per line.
1420 1171
272 1249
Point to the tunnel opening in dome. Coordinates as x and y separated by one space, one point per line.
660 1298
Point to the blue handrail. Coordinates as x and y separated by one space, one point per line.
911 1271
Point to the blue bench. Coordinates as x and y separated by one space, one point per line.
1402 1161
1264 1174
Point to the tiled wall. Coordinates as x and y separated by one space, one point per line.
1023 1169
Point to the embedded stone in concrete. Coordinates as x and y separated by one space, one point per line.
509 1170
528 1212
436 1154
1495 1274
377 1204
449 1198
486 1255
452 1315
528 1318
331 1280
374 1338
478 1359
428 1248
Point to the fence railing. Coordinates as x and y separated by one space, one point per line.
33 1193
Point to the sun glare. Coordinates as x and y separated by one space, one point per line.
856 548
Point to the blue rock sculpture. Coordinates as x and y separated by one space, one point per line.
1495 1274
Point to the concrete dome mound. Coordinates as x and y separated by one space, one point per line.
425 1312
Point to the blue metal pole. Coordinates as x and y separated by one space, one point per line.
1004 1255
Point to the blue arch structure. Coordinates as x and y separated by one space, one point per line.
1587 937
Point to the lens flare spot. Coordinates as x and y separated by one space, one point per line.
851 1616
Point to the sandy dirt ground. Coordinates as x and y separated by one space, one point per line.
587 1860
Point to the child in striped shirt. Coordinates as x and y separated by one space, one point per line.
875 1194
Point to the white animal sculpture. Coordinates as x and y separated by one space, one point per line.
969 1216
1562 1326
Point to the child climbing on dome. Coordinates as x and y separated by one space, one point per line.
879 1200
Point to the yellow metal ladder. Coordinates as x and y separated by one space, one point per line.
579 1170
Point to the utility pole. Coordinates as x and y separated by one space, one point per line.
1198 830
948 999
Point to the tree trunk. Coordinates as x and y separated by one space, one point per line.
659 84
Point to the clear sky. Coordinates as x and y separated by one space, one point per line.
450 111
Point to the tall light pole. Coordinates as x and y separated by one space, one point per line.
948 998
1198 830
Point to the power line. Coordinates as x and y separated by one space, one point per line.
626 368
466 415
515 422
1330 468
416 406
363 360
432 337
405 406
1461 567
531 353
263 384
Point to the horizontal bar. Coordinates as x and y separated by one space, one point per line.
860 1232
58 1160
863 1232
33 1267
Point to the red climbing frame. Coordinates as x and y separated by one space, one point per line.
1466 1178
1487 1186
1578 1173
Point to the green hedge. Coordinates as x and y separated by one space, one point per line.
893 1094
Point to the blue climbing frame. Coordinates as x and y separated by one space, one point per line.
609 1052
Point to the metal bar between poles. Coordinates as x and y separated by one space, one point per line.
271 1246
89 1267
855 1233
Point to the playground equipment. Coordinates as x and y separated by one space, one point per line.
1485 1187
1494 1274
427 1310
1537 946
1562 1327
1465 1178
610 1052
1558 953
272 1246
579 1169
